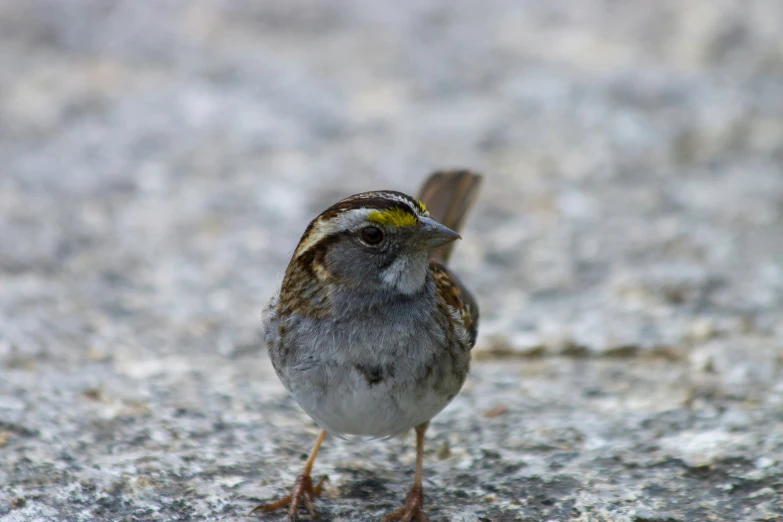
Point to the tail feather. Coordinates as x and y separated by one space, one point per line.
449 196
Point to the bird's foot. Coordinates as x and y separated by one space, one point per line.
411 510
303 490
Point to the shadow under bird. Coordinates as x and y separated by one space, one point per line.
370 332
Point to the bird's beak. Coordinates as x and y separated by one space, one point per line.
433 234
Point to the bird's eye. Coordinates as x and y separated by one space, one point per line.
372 235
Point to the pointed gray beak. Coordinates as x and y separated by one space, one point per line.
433 234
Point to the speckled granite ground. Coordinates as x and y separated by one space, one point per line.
160 160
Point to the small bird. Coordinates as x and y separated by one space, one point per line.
370 332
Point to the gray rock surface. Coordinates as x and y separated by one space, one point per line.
161 159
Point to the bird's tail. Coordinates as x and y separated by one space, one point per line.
449 196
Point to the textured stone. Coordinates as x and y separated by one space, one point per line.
161 159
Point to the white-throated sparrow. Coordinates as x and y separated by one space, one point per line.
370 332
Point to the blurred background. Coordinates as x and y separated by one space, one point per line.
160 161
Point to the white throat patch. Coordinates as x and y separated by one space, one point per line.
407 273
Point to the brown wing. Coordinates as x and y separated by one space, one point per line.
449 195
454 295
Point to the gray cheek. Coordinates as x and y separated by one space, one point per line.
350 261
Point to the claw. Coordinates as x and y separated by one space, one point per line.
411 510
303 490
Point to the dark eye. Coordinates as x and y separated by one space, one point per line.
372 235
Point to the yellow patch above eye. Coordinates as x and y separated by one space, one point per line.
395 217
423 206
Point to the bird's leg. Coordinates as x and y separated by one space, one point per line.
303 488
414 502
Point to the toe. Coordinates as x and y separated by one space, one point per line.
319 486
308 502
302 492
411 510
272 506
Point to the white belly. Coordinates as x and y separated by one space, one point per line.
352 406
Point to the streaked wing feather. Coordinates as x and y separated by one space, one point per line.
449 196
456 296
